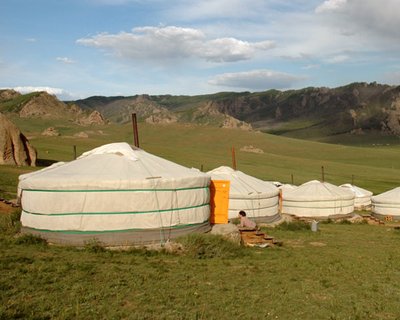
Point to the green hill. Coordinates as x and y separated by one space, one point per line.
338 115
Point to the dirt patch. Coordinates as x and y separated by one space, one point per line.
252 149
295 243
317 244
6 208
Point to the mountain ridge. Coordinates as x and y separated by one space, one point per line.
356 109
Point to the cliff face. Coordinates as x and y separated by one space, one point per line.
45 106
353 108
15 148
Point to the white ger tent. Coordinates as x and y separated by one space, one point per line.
287 187
258 198
362 198
117 194
387 204
319 200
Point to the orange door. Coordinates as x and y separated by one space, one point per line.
219 201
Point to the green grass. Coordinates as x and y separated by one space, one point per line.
292 127
340 272
375 168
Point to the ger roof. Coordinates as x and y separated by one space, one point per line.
358 192
114 166
389 197
316 190
242 184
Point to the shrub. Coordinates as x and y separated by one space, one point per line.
30 239
94 246
294 226
206 246
10 223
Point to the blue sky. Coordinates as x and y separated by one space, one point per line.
80 48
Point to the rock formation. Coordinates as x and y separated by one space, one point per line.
14 146
252 149
81 134
210 115
94 118
393 119
51 132
44 105
8 94
161 116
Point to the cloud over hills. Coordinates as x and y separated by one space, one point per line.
172 43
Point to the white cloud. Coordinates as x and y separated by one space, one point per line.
60 93
256 80
311 66
230 49
171 43
211 9
370 19
330 5
65 60
31 40
338 58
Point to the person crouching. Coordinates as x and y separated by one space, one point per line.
246 222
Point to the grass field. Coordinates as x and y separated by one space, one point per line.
376 168
341 272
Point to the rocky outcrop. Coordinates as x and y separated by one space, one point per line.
51 132
44 105
355 108
232 123
15 148
81 134
393 119
160 117
94 118
210 115
120 109
251 149
8 94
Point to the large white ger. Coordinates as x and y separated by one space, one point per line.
258 198
362 198
387 204
317 199
116 194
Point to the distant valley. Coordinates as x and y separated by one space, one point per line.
357 109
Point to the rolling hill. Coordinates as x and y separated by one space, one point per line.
332 115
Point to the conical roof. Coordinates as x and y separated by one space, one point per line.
315 191
388 197
358 192
114 166
243 184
